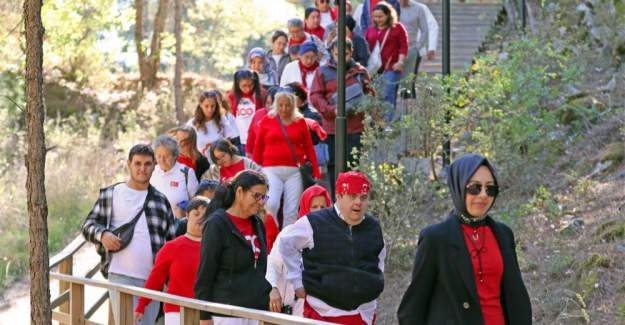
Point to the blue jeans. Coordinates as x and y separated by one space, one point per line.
391 84
151 311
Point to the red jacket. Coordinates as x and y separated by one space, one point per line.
396 43
272 149
251 133
324 87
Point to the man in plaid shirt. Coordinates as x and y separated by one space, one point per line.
117 205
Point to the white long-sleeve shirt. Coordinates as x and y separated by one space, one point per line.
294 240
276 276
432 30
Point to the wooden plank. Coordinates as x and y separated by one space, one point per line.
68 251
65 267
125 312
60 317
60 300
111 320
77 304
189 316
97 305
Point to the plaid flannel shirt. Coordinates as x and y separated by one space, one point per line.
159 217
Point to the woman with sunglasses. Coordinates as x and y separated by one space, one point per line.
466 269
227 162
233 251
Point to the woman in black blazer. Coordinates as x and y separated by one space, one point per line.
466 269
233 251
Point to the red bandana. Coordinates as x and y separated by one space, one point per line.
352 183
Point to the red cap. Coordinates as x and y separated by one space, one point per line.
352 183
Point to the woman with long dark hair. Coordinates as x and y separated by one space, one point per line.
245 98
466 269
209 122
233 252
392 38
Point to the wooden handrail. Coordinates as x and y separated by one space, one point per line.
68 251
187 303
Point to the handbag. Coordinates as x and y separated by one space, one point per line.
126 231
305 169
375 59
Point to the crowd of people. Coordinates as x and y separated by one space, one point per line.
226 208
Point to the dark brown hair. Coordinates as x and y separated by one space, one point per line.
200 119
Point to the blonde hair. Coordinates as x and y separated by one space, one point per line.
295 115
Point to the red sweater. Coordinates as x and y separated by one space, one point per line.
177 262
251 133
489 283
396 43
272 230
272 149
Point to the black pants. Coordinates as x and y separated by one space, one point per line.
413 91
353 141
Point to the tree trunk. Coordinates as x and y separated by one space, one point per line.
149 64
142 62
178 72
511 9
35 166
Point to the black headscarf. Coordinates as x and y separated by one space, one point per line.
460 173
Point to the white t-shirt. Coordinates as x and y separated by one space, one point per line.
172 183
212 133
136 259
292 73
326 19
245 112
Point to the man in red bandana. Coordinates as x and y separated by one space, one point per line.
335 256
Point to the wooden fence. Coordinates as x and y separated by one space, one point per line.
71 299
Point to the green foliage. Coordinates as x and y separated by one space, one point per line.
218 33
76 38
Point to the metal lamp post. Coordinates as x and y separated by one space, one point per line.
340 137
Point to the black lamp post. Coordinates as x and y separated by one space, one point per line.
340 137
446 72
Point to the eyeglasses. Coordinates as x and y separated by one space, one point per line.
260 197
476 189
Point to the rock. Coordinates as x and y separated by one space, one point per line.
620 248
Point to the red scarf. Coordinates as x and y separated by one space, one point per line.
306 70
293 41
319 31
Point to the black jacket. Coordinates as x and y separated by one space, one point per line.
227 272
443 291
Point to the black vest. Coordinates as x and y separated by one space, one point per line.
342 268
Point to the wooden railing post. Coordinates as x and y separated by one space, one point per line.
77 304
189 316
126 314
66 267
111 317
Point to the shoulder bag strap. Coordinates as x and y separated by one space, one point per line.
286 135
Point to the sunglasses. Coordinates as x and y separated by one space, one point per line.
476 189
260 197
